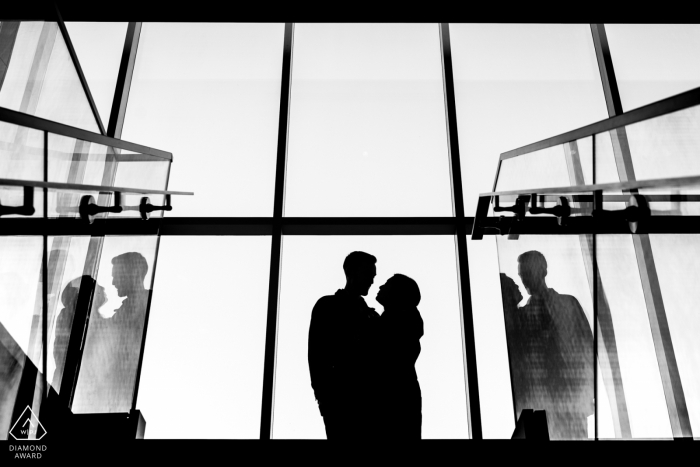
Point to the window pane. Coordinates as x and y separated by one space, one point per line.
312 267
495 395
206 338
209 93
367 133
40 78
516 84
99 49
654 61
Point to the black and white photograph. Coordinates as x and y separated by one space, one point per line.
276 234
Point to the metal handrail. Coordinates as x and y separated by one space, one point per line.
666 106
632 185
38 123
99 188
531 195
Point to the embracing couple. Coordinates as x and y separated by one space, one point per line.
362 364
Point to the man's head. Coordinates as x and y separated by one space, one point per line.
399 291
359 270
532 269
128 273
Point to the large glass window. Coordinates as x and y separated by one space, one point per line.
514 84
39 77
653 61
203 363
99 49
209 93
367 134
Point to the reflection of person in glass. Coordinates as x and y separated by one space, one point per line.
399 332
126 326
70 325
522 350
556 346
340 352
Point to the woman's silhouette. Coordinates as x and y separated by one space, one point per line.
399 333
70 326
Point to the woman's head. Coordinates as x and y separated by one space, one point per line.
399 292
510 291
77 294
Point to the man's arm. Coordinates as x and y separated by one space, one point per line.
320 352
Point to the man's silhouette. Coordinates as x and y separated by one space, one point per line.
128 274
557 347
341 352
399 333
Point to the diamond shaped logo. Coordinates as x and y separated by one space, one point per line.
27 427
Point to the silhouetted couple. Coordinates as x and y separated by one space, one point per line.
551 350
362 364
109 359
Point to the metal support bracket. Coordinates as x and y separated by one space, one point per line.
146 208
561 211
519 208
89 209
27 208
637 211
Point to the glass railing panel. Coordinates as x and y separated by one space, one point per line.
548 314
606 170
114 337
21 158
666 146
640 391
71 160
81 162
134 170
675 257
544 168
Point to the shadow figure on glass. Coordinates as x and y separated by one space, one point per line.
114 343
79 296
398 346
341 354
551 350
